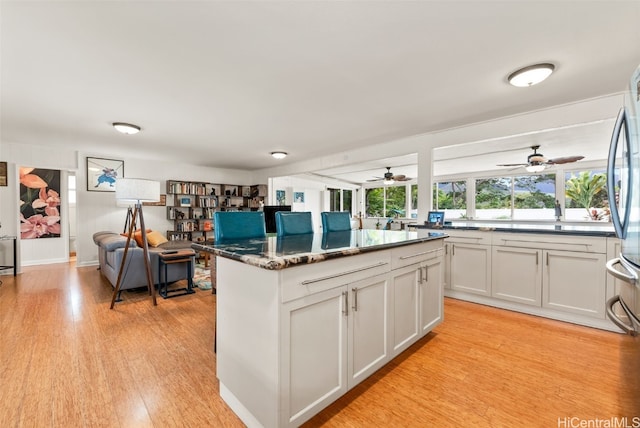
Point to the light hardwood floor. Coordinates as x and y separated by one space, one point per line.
67 360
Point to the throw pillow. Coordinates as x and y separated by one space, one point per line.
155 238
137 235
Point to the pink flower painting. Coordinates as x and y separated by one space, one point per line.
39 203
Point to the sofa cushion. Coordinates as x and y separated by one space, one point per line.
155 238
112 242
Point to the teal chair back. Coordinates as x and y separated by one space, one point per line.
335 221
293 223
238 225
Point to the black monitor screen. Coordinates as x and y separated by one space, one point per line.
436 218
270 216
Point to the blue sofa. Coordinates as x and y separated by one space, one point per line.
111 251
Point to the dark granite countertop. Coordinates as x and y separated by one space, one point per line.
596 229
276 253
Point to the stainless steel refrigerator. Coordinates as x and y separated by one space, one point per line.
624 201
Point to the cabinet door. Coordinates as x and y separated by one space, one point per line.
574 282
314 353
517 275
431 295
471 268
405 312
368 327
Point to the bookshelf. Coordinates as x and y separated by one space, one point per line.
194 203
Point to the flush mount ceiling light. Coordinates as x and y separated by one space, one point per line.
126 128
279 155
531 75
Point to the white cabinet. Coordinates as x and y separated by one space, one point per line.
406 315
553 275
471 268
431 294
575 282
368 323
517 275
292 341
315 364
338 338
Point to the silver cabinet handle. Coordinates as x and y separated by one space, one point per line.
345 311
420 275
537 253
419 254
631 278
453 249
355 299
426 274
337 275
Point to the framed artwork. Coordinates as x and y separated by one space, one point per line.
3 173
102 174
40 208
280 197
298 197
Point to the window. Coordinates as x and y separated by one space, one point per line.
520 197
586 195
534 197
347 197
386 201
340 199
451 197
71 180
414 201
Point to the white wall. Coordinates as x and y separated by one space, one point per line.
314 196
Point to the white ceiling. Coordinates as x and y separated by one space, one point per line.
224 83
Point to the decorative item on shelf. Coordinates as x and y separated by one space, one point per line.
136 190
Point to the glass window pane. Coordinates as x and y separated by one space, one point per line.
396 198
586 195
374 202
346 199
534 197
451 197
334 199
493 198
414 201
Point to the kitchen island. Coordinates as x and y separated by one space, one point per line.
302 319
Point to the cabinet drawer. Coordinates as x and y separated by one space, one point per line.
300 281
584 244
416 253
469 237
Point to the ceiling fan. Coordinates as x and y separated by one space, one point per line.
389 178
536 162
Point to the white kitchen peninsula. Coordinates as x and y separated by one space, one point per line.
302 319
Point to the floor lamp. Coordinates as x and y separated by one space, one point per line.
136 191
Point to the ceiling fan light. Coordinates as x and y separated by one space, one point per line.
531 75
126 128
388 181
535 168
279 155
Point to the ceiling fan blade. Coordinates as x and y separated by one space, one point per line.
399 177
376 179
513 164
567 159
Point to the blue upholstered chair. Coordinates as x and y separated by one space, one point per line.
335 221
238 225
293 223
